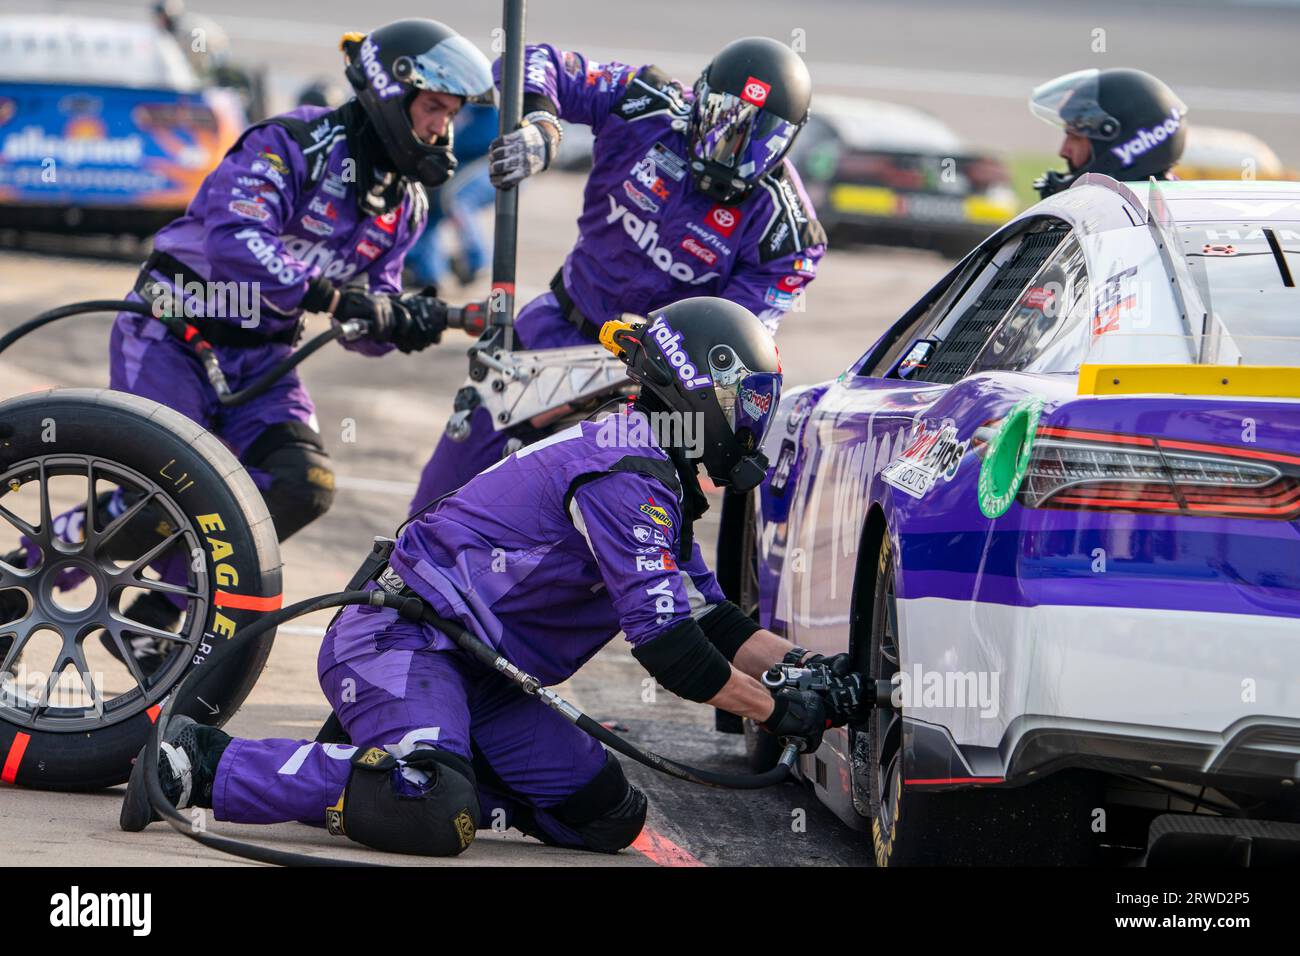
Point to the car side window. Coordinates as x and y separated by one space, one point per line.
963 331
1047 328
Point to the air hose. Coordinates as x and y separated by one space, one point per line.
191 336
415 609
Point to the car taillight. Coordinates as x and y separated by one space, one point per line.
984 173
1083 469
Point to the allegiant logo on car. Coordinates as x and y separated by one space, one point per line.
930 454
1117 295
755 91
655 513
670 345
250 209
664 562
724 219
383 84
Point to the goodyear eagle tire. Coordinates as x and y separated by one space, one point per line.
68 719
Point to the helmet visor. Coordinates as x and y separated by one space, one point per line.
738 135
454 66
749 401
1071 102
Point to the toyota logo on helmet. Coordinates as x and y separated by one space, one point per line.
749 104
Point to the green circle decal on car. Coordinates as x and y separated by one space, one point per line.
1007 459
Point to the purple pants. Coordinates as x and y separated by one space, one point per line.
390 689
540 325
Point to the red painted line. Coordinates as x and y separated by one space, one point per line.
662 850
15 757
247 602
936 781
153 713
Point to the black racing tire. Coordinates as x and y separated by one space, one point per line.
1043 823
195 480
738 555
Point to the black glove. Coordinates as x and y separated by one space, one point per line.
801 714
375 310
424 320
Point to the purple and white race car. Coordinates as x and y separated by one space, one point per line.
1057 505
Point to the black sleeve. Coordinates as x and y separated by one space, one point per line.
727 627
683 660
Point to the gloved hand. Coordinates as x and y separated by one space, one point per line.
425 320
376 311
801 714
517 155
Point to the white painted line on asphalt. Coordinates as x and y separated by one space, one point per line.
381 486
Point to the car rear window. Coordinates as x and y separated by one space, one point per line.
1248 278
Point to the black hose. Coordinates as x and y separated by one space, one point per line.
188 334
413 609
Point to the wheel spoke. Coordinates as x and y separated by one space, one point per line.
145 630
118 523
149 584
47 519
28 529
87 681
132 573
19 636
114 628
88 526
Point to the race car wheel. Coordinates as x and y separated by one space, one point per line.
107 498
1048 822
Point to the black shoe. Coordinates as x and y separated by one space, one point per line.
152 609
187 767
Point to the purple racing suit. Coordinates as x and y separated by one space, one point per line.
279 211
646 236
545 557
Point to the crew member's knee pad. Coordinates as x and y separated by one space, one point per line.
382 810
608 813
302 478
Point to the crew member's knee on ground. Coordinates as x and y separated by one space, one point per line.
302 476
385 810
608 813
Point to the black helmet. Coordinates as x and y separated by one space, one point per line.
712 358
1137 125
750 103
389 66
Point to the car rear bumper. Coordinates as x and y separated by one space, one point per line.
1020 691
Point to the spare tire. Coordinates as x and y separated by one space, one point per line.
187 501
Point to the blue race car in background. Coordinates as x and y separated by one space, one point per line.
104 125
